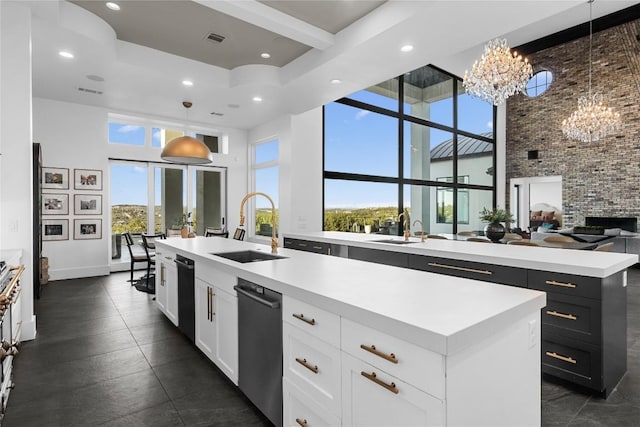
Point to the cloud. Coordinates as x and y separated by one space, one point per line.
139 169
490 125
129 128
361 114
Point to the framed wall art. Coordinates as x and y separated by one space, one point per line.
86 229
55 204
55 229
55 178
87 179
87 204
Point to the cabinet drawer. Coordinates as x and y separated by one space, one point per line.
313 366
372 397
215 277
572 360
307 246
568 284
300 410
415 365
397 259
470 270
317 322
573 316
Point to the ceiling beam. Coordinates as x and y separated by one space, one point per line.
256 13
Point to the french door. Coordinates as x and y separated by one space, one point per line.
149 197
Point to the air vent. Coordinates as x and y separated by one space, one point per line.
216 114
215 37
93 91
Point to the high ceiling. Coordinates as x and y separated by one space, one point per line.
133 61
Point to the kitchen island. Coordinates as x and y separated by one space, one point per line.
584 325
371 344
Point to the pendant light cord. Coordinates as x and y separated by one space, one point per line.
590 41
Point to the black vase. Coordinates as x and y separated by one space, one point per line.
494 231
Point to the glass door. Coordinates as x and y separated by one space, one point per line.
170 198
207 198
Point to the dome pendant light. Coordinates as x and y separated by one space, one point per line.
185 149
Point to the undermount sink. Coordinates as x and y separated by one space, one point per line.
397 242
247 256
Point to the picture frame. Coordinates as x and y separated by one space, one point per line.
87 229
55 229
55 204
87 179
87 204
55 178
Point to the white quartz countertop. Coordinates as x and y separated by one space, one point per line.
441 313
570 261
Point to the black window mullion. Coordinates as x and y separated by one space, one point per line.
455 156
400 152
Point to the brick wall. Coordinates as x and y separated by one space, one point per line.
600 178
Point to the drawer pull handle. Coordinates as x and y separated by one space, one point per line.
301 422
564 316
303 362
563 358
372 349
302 245
455 267
304 319
564 285
317 247
372 376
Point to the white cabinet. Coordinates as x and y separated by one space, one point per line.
371 397
217 326
300 410
167 285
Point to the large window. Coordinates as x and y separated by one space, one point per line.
264 177
415 142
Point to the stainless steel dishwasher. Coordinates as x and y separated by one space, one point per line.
186 296
260 348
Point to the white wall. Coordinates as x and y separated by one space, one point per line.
300 163
16 147
74 136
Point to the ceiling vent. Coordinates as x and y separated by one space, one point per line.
93 91
215 37
216 114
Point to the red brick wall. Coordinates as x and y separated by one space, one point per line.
600 178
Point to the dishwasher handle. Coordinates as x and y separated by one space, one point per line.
183 264
256 297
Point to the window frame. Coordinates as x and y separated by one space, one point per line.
251 203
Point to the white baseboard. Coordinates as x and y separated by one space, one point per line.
28 331
76 273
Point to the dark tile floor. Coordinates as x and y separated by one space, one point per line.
105 355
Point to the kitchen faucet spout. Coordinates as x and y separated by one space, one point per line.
274 240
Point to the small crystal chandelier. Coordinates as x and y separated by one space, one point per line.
592 120
499 73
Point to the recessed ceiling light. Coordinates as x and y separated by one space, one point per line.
113 6
65 54
336 81
265 55
187 82
257 99
407 48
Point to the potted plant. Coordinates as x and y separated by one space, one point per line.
494 230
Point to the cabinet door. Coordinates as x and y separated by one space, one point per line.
300 410
171 289
370 397
161 287
205 330
225 320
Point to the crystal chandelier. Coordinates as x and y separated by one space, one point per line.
592 120
499 73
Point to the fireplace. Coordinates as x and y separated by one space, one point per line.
625 223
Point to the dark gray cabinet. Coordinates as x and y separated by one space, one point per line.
469 270
584 325
307 246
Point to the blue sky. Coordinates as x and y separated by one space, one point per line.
357 141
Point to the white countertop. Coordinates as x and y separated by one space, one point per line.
441 313
583 263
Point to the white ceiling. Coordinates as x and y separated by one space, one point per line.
143 57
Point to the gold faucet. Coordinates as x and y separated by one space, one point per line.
274 240
422 236
407 232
